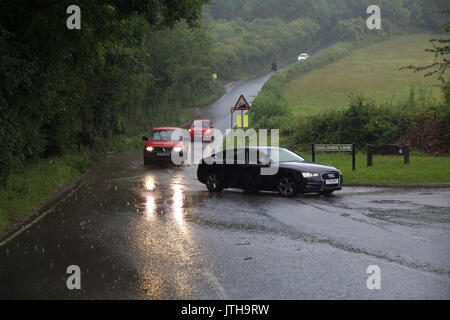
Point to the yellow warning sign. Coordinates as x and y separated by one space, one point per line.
239 121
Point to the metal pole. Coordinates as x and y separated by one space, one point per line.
313 153
242 119
353 157
231 126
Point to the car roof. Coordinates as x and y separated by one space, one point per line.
166 128
201 120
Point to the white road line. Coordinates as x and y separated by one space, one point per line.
212 279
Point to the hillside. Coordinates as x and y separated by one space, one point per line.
372 72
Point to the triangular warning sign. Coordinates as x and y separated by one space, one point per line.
242 104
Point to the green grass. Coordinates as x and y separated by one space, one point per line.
372 71
385 170
35 183
388 169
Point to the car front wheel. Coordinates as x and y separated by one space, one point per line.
213 182
287 187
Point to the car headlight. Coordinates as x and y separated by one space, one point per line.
190 130
149 149
177 149
309 174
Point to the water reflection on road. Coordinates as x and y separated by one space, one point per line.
165 236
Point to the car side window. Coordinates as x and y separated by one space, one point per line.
240 156
251 156
218 158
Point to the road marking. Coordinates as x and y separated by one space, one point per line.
418 238
220 290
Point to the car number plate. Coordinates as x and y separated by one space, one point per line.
163 154
332 181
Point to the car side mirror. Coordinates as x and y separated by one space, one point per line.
181 138
264 162
144 138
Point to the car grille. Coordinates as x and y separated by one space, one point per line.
331 175
163 149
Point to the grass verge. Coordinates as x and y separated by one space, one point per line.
27 189
422 168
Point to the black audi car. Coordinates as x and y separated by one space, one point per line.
246 168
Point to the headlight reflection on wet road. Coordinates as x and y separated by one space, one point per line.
150 206
149 183
166 238
177 202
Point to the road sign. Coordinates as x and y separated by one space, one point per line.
334 148
241 104
242 121
387 149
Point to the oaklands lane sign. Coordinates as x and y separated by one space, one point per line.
334 148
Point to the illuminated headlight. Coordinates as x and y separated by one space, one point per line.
190 130
177 149
149 149
309 174
207 131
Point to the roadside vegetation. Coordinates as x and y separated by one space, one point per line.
28 188
336 103
422 168
370 100
252 34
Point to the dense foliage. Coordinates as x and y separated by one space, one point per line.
121 73
251 34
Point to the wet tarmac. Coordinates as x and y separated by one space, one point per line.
156 233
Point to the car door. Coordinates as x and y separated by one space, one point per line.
233 168
246 170
251 170
267 182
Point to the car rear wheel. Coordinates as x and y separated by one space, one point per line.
287 187
213 182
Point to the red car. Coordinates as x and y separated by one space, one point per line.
202 129
162 142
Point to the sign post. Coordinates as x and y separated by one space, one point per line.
241 105
231 112
388 149
335 148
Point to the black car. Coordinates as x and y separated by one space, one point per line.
242 168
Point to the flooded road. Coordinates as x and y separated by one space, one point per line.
157 233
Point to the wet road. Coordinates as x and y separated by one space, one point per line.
156 233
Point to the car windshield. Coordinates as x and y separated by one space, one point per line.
165 135
201 124
284 155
